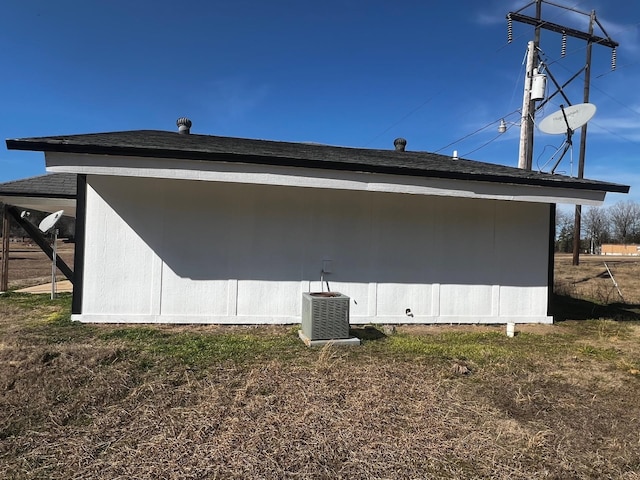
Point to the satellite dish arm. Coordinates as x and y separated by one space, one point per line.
567 146
566 121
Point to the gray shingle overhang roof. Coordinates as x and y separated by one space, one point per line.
53 185
162 144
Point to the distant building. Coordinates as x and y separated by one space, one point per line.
614 249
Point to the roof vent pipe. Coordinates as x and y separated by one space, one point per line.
400 144
184 125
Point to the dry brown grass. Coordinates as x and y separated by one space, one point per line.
28 265
105 402
590 279
95 402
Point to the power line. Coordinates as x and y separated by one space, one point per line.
484 127
619 67
471 69
421 105
483 145
614 133
581 48
402 119
606 94
563 12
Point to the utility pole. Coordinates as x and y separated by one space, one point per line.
583 145
528 105
525 157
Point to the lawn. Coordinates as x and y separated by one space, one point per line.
114 401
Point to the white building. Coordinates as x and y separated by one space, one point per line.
183 228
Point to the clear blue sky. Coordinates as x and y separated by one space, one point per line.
342 72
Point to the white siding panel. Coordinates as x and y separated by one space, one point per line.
196 251
269 299
118 269
524 263
401 296
465 300
519 302
184 296
359 294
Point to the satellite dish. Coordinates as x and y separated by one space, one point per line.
50 221
569 118
45 225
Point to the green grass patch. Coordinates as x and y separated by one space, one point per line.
599 353
604 329
476 347
48 321
30 301
45 320
201 349
485 348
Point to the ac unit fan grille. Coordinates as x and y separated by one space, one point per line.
325 317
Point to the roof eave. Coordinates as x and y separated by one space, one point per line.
61 146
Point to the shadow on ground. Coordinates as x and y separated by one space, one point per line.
568 308
367 332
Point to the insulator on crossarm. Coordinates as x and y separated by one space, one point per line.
509 29
563 48
614 59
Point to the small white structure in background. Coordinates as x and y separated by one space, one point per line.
511 329
48 225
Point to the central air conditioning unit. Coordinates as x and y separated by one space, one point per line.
325 315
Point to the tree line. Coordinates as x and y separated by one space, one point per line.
619 223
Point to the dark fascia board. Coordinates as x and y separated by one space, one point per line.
161 144
35 195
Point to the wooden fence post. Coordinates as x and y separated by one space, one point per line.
4 264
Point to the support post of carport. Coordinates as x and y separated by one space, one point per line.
4 266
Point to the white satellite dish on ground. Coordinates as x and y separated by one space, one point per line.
50 221
46 225
569 118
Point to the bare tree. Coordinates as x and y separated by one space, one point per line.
595 222
564 231
624 217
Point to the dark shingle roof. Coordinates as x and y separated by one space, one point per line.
154 143
53 185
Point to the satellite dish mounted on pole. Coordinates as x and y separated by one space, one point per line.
566 121
48 225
